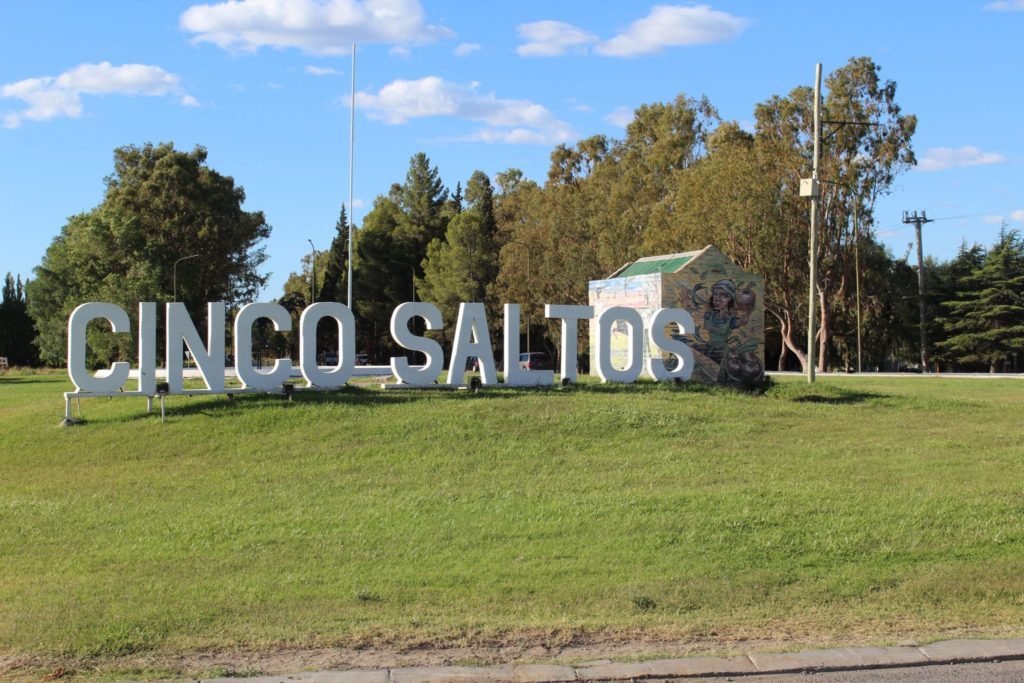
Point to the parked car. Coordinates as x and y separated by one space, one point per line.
362 359
329 359
535 360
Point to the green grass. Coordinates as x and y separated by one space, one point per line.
854 511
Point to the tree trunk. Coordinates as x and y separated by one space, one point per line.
822 332
782 357
786 330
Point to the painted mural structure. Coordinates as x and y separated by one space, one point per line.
726 303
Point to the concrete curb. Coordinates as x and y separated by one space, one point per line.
842 659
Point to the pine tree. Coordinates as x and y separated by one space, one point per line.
422 198
17 333
942 283
335 284
463 266
480 198
985 323
384 275
453 207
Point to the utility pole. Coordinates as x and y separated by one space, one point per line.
815 195
918 221
856 270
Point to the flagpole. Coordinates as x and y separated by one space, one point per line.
351 167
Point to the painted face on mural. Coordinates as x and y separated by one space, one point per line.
723 295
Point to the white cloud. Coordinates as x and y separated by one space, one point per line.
358 203
998 219
465 49
400 51
552 38
322 71
1005 6
665 26
315 27
674 26
50 97
511 121
942 158
620 116
520 136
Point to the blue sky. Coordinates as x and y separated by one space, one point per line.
264 85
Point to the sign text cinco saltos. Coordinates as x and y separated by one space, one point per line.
471 340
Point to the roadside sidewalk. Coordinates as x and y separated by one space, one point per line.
844 659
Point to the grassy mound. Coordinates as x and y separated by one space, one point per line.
857 510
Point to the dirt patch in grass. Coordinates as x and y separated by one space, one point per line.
243 662
551 647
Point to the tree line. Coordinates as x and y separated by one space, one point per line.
681 178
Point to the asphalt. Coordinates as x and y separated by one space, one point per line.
753 666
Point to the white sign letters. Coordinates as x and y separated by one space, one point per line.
615 326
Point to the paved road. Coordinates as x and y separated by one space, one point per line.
949 661
903 375
987 672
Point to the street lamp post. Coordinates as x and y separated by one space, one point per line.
174 290
809 187
811 336
312 285
527 248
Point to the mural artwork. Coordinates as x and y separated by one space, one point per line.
726 303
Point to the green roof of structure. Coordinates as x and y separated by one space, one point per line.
661 265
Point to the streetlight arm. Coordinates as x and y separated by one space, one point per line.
174 286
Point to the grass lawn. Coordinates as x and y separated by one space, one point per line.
855 511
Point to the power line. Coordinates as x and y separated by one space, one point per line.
953 218
883 228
